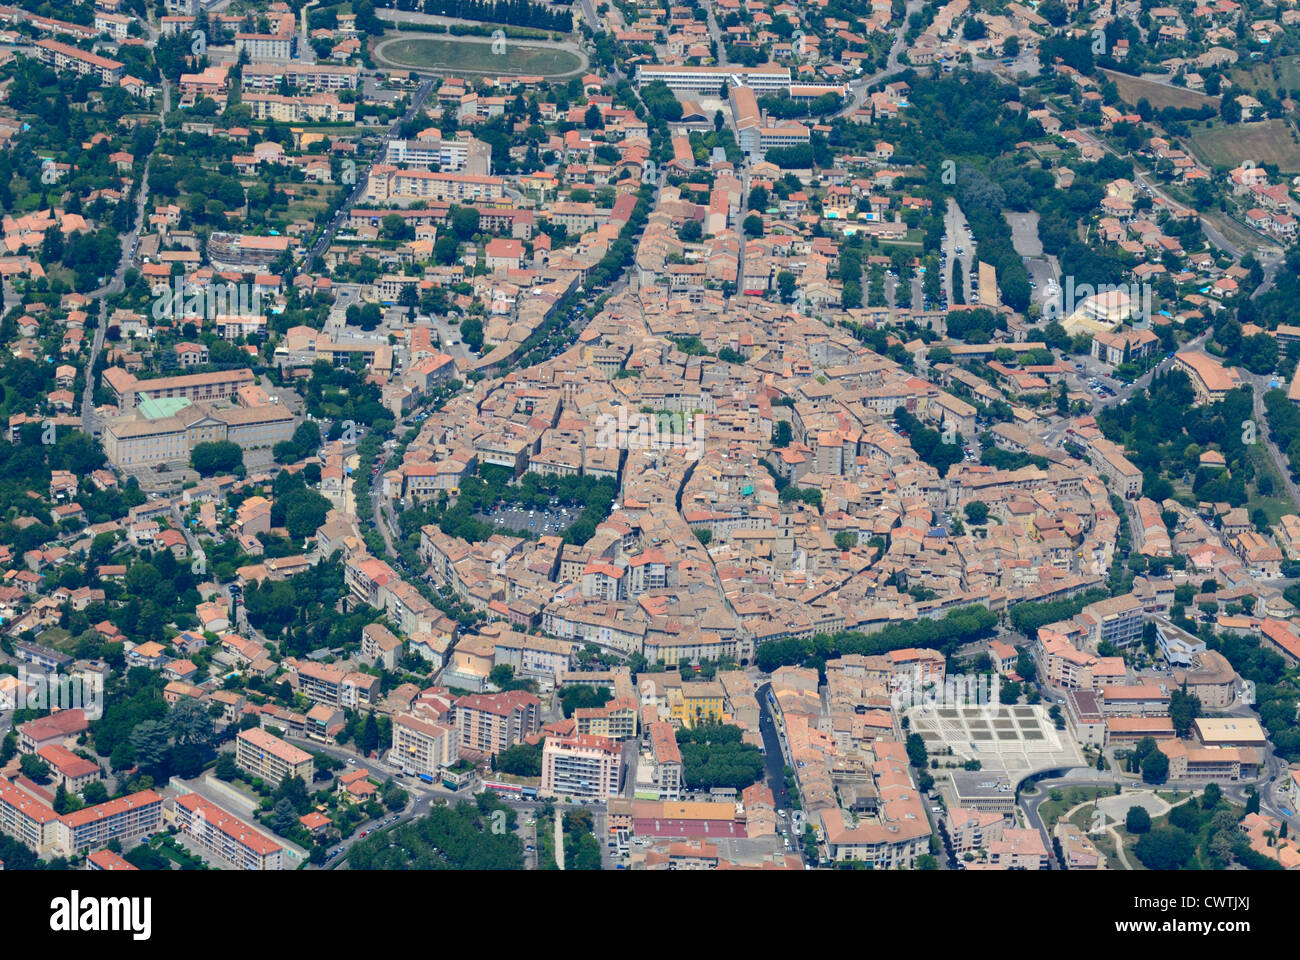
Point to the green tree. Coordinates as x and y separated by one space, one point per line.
94 792
368 741
501 675
1165 848
283 817
34 768
917 755
149 741
1183 709
227 768
521 760
217 456
190 722
1137 820
1155 767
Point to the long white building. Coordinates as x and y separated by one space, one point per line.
766 79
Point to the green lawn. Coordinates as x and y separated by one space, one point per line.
58 639
173 851
913 239
1052 810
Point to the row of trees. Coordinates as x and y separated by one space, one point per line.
964 625
518 13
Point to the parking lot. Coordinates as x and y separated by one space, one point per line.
957 237
554 520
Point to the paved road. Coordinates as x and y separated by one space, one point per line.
775 762
418 808
559 837
1262 431
89 418
358 191
591 17
715 33
1143 381
1270 259
954 238
858 88
1031 804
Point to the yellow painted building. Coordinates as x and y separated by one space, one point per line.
695 703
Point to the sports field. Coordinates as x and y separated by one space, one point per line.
475 55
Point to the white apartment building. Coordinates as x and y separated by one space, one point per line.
582 766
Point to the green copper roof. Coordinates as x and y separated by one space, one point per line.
153 408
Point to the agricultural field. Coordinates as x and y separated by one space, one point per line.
310 200
1159 95
1283 72
1227 145
474 55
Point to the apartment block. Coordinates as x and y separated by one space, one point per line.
617 719
330 684
696 702
225 835
659 772
1116 620
260 754
422 746
28 819
390 183
581 766
62 56
312 108
127 818
305 76
267 46
491 722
